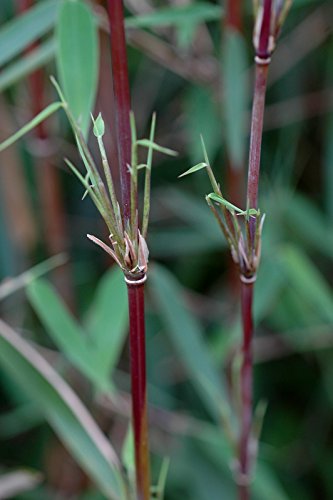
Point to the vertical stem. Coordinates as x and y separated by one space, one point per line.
129 205
256 134
122 99
246 392
139 388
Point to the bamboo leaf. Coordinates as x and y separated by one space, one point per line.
146 143
187 338
63 410
306 280
195 13
52 108
12 285
197 167
18 34
77 58
234 64
107 320
27 64
66 332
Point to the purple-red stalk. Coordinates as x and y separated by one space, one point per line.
262 59
258 108
122 99
139 389
135 291
246 393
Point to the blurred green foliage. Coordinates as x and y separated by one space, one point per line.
182 64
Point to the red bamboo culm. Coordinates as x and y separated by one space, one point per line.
135 290
122 99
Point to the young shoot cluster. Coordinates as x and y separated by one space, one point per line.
241 228
127 238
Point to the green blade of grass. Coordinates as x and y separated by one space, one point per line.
52 108
77 59
64 411
187 339
18 34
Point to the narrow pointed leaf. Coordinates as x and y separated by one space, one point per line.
18 34
65 331
235 95
107 319
77 58
52 108
146 143
64 411
24 66
187 338
189 14
197 167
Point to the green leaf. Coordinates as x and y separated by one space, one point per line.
195 13
18 34
234 64
187 338
63 410
146 143
12 285
201 116
308 224
26 65
77 58
107 320
307 282
52 108
197 167
128 453
66 332
266 484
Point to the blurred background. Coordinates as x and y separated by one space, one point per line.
192 63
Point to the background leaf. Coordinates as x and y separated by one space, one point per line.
77 58
18 34
64 411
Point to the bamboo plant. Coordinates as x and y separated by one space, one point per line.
243 228
127 246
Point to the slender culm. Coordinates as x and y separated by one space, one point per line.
135 281
139 388
266 30
258 108
246 392
122 99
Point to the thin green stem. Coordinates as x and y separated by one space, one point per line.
134 179
146 202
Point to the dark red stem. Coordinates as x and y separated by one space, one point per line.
256 134
122 99
139 389
246 393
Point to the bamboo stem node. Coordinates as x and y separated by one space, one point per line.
134 282
248 279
